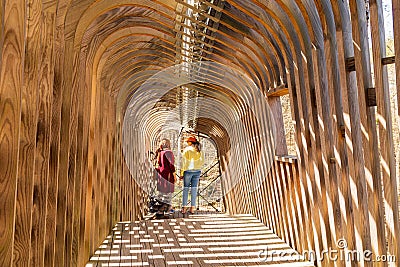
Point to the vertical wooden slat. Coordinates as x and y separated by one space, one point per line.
263 208
252 203
70 193
388 165
11 82
114 172
118 176
299 206
113 169
285 202
278 198
93 169
99 166
267 212
85 189
82 188
77 195
396 37
338 163
315 178
292 203
51 217
27 138
347 124
107 192
43 139
64 157
272 214
270 187
284 184
309 138
102 226
356 128
302 151
359 32
1 31
75 167
276 109
328 183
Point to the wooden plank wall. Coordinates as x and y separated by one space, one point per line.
343 184
60 152
11 84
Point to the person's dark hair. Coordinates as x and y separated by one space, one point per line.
196 146
165 143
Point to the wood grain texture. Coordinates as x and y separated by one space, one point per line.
301 134
70 194
28 130
396 37
387 161
1 30
80 215
361 56
11 83
278 92
276 109
43 141
339 175
64 155
51 216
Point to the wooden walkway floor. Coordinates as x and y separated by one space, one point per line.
197 240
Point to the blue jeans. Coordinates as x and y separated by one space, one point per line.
190 179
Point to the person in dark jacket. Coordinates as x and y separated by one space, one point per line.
166 176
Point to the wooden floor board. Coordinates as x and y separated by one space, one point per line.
196 250
157 258
201 239
174 236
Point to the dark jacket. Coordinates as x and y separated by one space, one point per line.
165 179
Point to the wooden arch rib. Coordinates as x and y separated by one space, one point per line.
268 31
101 6
217 132
125 33
125 57
95 9
258 71
121 41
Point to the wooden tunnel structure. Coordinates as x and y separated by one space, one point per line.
69 69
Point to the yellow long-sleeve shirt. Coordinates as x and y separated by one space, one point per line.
191 159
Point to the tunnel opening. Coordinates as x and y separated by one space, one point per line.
210 195
201 97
